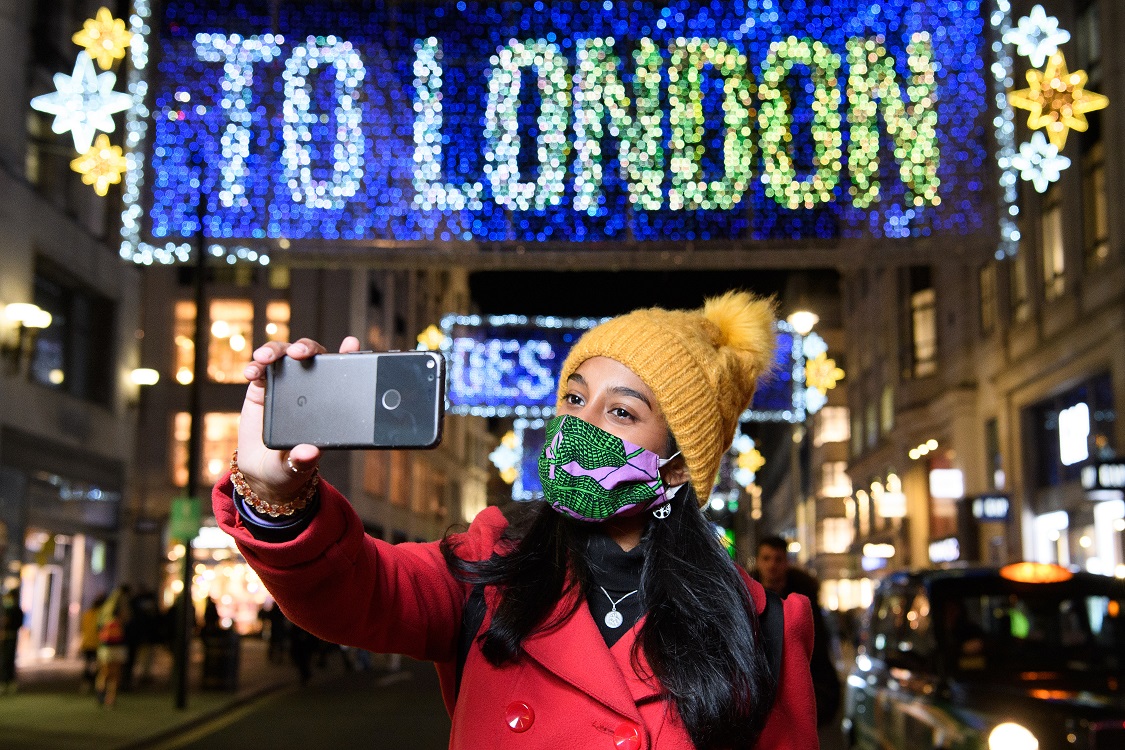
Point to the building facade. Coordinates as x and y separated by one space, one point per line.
69 407
986 386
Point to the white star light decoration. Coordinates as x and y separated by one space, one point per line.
83 103
1037 36
1040 162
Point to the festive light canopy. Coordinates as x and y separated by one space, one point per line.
1057 100
104 37
557 120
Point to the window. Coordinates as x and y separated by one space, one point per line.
400 478
375 473
995 462
75 354
987 299
918 642
1096 219
831 425
834 480
183 329
887 410
277 321
1078 422
888 622
1054 256
836 535
429 490
920 352
857 434
220 438
232 322
1021 304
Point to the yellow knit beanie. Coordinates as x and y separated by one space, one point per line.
702 365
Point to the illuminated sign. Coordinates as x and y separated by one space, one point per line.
991 507
947 484
945 550
558 120
1074 434
509 365
1108 475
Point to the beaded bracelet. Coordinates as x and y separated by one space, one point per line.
272 509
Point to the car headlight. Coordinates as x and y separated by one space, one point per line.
1012 736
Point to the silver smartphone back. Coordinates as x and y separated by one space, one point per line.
359 400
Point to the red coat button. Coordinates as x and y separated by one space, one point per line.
519 716
627 736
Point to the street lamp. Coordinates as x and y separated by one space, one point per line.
26 320
802 321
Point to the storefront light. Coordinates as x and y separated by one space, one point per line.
1074 434
947 484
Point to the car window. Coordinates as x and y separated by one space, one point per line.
888 619
1012 633
917 637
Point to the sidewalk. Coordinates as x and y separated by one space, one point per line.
49 712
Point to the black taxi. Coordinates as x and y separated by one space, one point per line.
1024 657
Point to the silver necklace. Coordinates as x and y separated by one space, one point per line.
613 618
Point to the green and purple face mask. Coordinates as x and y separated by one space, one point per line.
591 475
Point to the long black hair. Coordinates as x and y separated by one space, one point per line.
701 636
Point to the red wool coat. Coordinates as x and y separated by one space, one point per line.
569 692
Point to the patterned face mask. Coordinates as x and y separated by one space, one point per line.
592 475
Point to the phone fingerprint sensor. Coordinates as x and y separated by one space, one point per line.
391 399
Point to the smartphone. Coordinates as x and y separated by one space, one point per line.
358 400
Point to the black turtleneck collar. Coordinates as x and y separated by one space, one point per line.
618 572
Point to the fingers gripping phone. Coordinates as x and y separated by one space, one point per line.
359 400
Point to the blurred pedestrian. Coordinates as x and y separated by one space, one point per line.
777 575
112 649
302 646
614 591
279 633
11 620
88 643
142 633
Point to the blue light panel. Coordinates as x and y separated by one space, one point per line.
569 120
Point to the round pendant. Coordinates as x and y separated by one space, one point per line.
613 619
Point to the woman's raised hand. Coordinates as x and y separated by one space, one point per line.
275 476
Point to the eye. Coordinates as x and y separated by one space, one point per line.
572 399
622 414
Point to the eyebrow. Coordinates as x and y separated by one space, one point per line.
624 391
619 390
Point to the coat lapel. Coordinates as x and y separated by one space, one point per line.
576 652
642 685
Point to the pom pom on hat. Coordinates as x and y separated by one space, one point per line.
702 365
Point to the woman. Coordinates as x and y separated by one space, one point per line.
112 649
611 616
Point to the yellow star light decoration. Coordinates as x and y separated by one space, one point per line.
104 38
1057 100
102 165
431 339
752 461
822 373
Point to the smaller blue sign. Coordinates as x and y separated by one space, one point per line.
991 507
